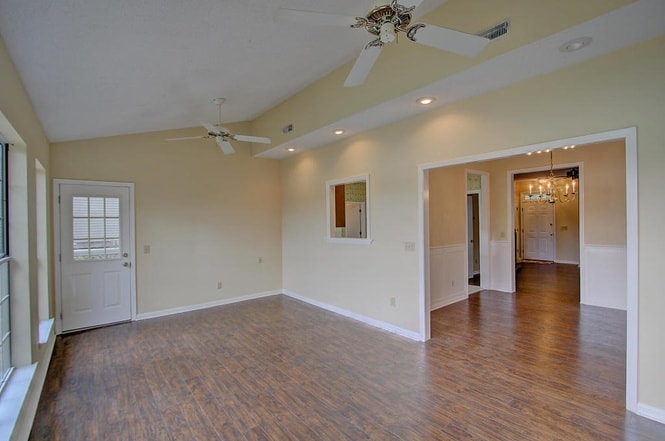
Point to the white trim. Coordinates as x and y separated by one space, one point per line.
424 292
444 293
463 296
632 270
349 240
653 413
503 266
57 244
358 317
199 306
484 225
19 400
629 135
567 262
604 282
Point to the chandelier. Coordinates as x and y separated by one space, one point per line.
555 189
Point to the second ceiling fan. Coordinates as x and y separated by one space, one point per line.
385 19
221 134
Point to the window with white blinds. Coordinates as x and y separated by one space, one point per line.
96 228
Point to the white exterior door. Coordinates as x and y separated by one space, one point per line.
538 218
95 254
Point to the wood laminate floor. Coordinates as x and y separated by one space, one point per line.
534 365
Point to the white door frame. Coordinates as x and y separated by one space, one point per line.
629 135
483 225
57 243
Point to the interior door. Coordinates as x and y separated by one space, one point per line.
469 235
355 219
95 249
538 218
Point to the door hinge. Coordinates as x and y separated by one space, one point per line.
59 257
60 315
58 199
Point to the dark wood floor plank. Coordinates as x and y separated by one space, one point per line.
531 365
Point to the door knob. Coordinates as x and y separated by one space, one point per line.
125 264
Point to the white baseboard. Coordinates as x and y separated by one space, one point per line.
456 298
358 317
567 262
653 413
189 308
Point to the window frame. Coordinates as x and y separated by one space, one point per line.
330 210
6 368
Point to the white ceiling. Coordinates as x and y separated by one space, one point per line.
97 68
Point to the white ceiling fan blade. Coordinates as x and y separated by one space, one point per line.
258 139
363 65
313 18
450 40
185 138
224 145
410 3
210 128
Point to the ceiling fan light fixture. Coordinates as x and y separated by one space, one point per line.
387 33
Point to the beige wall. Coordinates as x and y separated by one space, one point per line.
21 127
618 90
206 216
447 206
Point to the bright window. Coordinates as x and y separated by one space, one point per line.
5 323
96 224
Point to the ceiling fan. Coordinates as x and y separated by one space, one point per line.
385 19
222 135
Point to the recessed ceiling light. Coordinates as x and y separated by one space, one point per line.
529 153
338 132
290 149
426 100
575 45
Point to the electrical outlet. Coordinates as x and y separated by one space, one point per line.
409 246
146 249
393 302
219 285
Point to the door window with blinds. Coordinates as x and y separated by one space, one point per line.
96 228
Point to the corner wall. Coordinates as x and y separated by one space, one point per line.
205 216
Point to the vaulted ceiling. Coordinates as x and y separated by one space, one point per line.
97 68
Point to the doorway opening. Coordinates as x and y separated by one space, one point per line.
594 255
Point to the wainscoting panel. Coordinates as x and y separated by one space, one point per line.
447 275
604 276
500 256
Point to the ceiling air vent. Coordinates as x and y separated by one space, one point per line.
496 31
